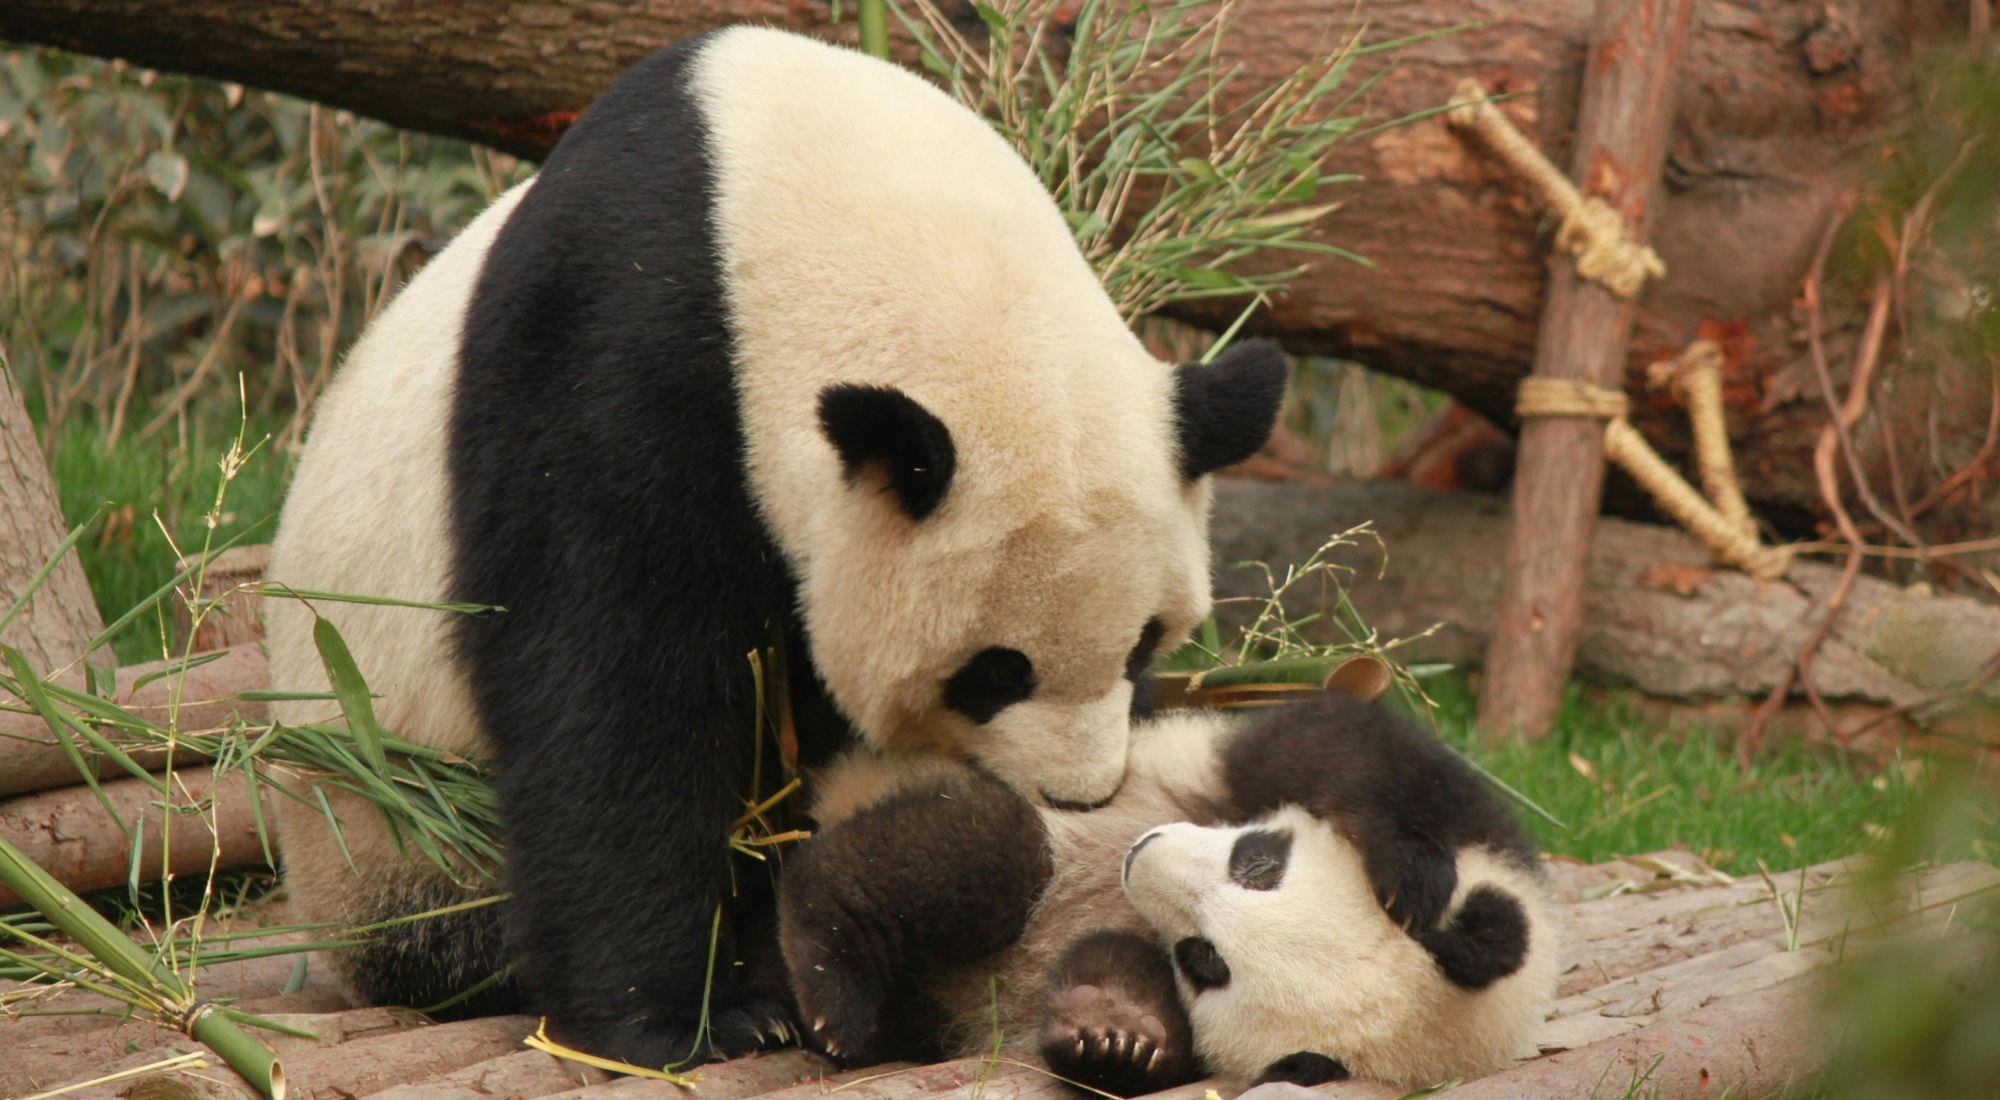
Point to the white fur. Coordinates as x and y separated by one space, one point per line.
1067 525
1317 966
374 470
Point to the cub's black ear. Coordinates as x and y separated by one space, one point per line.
1304 1068
882 428
1224 410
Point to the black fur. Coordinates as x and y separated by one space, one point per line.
1114 1019
1224 410
1139 666
875 426
944 873
993 680
1201 964
1304 1068
1258 859
1486 940
599 494
1407 801
431 961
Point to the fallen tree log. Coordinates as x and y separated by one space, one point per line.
346 1069
1656 614
32 760
71 835
1784 105
520 1074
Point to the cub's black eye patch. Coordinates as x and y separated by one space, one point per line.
991 681
1141 657
1258 859
1201 964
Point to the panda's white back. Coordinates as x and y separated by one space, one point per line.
376 463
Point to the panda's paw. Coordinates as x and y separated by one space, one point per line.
751 1025
1105 1038
842 1019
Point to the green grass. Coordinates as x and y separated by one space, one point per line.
1622 786
128 554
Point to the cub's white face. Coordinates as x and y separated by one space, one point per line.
1285 958
1279 944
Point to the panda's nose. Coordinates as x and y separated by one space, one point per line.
1125 872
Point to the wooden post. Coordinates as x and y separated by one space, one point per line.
62 617
1622 127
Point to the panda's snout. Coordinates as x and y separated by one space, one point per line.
1125 872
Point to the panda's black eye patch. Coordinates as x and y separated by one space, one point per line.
1141 657
991 681
1201 964
1258 859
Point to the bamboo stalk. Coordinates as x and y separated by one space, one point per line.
119 956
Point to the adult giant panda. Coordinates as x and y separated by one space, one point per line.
780 341
1322 891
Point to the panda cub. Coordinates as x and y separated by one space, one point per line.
1324 891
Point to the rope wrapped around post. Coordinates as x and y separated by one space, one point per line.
1694 378
1591 231
1732 541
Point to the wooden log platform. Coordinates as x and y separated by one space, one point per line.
1674 973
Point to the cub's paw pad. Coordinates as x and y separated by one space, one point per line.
1101 1038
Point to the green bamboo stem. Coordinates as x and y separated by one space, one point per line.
874 20
1311 671
116 952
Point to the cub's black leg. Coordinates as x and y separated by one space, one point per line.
1114 1019
943 873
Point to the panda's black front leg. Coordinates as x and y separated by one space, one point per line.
945 872
1114 1019
614 917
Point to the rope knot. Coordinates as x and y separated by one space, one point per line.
1539 397
1591 230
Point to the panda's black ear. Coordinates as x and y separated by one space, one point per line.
881 429
1225 410
1304 1068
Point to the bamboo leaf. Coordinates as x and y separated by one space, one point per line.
351 690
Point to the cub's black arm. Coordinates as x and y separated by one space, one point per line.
1405 799
941 873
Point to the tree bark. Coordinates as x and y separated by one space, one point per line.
1657 615
69 833
32 760
1783 106
1635 51
62 617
